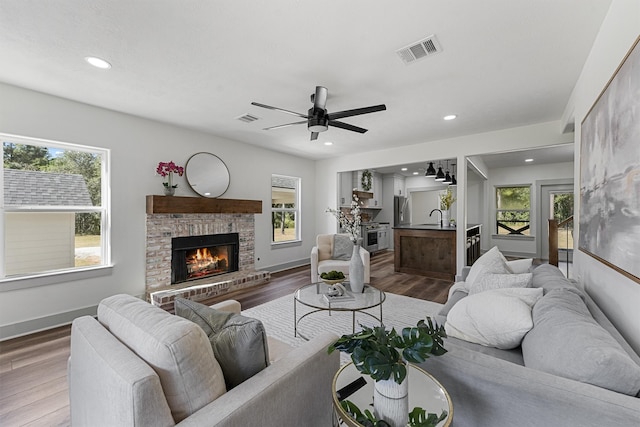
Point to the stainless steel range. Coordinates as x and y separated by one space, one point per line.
375 236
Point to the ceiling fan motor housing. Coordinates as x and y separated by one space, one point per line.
318 120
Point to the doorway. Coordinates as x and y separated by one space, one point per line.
556 202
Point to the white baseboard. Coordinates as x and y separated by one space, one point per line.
43 323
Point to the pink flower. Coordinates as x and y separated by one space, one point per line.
165 169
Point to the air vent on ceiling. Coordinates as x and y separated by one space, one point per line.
248 118
420 49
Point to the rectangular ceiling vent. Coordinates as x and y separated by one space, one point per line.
248 118
420 49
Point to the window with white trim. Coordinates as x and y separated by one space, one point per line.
55 210
513 210
285 209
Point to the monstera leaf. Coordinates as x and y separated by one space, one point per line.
382 354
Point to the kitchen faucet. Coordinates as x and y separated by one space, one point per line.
440 215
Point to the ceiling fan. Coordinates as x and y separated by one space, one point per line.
318 119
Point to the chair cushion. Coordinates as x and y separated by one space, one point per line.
567 341
342 247
324 242
177 349
239 343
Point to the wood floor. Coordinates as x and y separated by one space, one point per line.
33 369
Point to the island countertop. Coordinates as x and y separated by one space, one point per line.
432 227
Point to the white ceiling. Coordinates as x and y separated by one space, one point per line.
200 64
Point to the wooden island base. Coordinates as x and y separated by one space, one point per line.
427 252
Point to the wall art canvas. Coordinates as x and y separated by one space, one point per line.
610 172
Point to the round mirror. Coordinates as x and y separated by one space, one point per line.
207 175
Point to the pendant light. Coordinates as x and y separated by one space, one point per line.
430 170
440 174
453 177
447 177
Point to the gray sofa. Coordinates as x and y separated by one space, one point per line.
137 365
493 387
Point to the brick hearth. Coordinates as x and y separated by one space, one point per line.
161 228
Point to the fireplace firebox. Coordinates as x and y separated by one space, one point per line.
197 257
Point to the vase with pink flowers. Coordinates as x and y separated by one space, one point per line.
166 171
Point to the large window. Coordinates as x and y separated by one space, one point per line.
55 207
513 210
285 209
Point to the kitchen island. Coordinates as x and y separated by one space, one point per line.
426 249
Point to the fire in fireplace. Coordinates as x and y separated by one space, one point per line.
197 257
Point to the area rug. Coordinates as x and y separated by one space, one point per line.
277 317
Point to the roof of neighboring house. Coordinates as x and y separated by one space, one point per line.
25 187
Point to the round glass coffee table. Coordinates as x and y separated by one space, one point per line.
424 391
314 296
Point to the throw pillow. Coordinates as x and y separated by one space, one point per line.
496 318
567 341
520 265
491 261
490 281
239 343
342 247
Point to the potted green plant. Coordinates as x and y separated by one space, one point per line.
383 355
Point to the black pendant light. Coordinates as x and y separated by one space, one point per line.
447 177
453 177
430 170
440 174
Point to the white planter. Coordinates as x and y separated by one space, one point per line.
445 218
356 271
391 402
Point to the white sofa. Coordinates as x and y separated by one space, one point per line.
137 365
494 387
322 261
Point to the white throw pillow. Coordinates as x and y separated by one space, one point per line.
491 262
490 281
496 318
520 265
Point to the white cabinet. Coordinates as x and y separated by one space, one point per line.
345 185
399 185
376 201
383 238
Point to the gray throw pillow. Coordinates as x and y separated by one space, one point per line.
342 247
239 343
567 341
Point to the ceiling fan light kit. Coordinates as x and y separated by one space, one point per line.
318 119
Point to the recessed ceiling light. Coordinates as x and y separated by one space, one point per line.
450 117
416 173
97 62
403 169
328 143
528 160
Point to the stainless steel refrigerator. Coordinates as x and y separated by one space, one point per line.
401 215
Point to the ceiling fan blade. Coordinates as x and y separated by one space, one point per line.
346 126
285 125
293 113
320 98
314 136
357 111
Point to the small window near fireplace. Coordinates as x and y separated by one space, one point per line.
198 257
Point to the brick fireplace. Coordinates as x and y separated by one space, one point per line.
170 219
